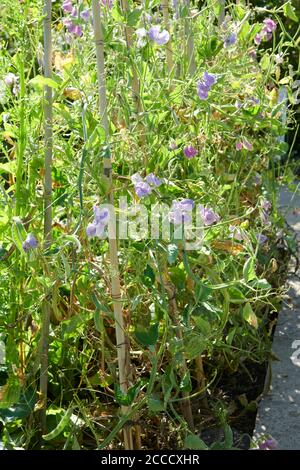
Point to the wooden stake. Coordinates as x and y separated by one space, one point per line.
121 337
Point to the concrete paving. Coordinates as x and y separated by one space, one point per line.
279 411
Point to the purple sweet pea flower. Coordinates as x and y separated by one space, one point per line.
204 85
29 243
261 238
239 145
85 14
74 12
264 218
141 35
101 215
190 151
269 444
258 38
158 36
266 205
101 218
152 179
230 40
208 216
91 230
136 178
269 25
180 211
187 204
67 6
142 189
257 180
10 79
236 233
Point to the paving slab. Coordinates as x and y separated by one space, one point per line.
279 411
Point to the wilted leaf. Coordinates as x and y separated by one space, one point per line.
250 316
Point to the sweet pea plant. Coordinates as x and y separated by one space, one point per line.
115 114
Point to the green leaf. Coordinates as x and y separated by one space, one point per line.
133 17
18 233
289 11
155 405
249 270
250 316
41 81
10 392
202 325
260 284
148 337
194 442
195 344
60 427
265 62
126 399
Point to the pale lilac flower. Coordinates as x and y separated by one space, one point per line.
269 25
239 145
29 243
67 6
142 189
258 38
264 218
261 238
77 30
253 54
136 178
141 34
187 204
101 215
238 104
74 12
180 211
152 179
91 230
208 216
172 145
266 205
10 79
158 36
101 218
230 40
190 151
85 14
236 233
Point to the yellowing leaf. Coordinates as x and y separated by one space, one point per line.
63 61
250 316
72 93
228 246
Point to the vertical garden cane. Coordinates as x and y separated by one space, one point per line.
222 12
48 137
189 36
169 49
121 337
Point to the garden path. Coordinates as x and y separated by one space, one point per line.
279 411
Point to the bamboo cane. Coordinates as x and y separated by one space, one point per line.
222 12
169 49
129 43
48 138
121 337
189 35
